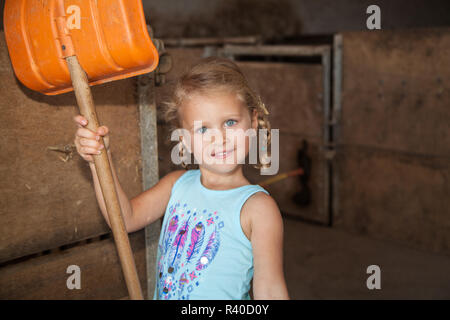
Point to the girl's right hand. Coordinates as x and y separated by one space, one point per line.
87 141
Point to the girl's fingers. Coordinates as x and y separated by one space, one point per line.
86 133
80 120
89 150
102 130
90 143
87 141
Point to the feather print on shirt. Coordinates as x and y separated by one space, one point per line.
210 251
197 236
173 225
177 247
190 244
166 283
170 231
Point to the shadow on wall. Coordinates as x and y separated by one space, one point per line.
272 19
2 5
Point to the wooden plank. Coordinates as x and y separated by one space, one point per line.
47 202
45 277
396 90
394 196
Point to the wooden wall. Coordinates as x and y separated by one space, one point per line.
393 146
48 201
391 169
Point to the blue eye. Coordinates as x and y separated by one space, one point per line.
232 122
201 130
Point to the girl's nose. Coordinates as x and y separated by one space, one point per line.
220 138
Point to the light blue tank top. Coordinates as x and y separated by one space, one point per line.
203 254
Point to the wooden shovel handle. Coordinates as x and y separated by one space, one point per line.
103 168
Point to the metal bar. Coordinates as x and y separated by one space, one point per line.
326 65
150 172
336 115
337 84
276 50
190 42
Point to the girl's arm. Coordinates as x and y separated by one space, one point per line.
151 204
267 243
138 212
143 209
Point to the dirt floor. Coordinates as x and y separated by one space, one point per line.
326 263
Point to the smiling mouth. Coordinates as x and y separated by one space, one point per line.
222 155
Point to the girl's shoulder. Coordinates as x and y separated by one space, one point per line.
260 197
172 178
179 176
175 175
262 203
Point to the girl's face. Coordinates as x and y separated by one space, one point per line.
217 124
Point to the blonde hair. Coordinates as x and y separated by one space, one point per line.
210 75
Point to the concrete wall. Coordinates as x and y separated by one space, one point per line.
279 18
284 18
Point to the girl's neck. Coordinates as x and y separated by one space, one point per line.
223 181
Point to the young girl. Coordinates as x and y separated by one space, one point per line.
219 231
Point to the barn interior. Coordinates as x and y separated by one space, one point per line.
364 113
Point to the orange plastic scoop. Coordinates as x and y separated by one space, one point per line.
109 37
